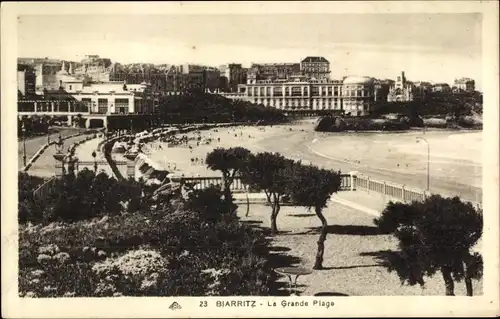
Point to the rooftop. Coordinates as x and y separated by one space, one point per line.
358 80
315 59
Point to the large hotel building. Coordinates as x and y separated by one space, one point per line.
308 89
353 95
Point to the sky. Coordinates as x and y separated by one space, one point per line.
428 47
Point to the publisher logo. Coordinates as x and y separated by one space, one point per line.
175 306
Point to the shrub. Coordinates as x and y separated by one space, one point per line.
209 203
203 253
435 235
83 196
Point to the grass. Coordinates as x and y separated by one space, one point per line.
353 251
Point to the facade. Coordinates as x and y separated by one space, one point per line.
465 84
94 67
141 73
421 89
441 87
112 97
315 67
46 78
401 90
231 75
26 80
273 71
354 95
382 88
358 95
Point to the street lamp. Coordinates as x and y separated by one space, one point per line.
94 155
24 145
419 138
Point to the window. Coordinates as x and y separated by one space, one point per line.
315 91
70 87
122 106
296 91
287 91
330 90
278 91
102 106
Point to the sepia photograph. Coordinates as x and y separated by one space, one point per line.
232 154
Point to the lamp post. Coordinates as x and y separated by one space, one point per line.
419 138
94 155
24 145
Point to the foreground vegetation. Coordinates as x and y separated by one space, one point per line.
163 246
436 235
96 236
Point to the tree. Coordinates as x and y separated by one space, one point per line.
312 187
435 235
268 172
229 161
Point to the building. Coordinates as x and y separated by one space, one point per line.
273 71
315 67
26 80
465 84
358 95
94 67
441 87
382 87
45 72
354 95
401 90
112 97
138 73
421 89
232 75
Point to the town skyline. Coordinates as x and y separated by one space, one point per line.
427 47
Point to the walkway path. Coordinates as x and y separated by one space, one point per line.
45 166
352 251
84 153
34 144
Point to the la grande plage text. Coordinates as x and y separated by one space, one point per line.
272 303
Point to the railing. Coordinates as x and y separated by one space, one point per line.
239 186
396 191
45 190
79 165
205 182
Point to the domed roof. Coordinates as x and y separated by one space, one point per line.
357 80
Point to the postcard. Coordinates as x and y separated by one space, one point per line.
250 159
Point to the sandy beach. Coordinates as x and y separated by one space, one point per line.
455 157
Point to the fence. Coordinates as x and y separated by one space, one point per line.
79 165
239 186
45 190
396 191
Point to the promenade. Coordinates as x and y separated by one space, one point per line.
45 166
354 251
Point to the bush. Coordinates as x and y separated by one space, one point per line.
209 203
83 196
436 235
163 252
